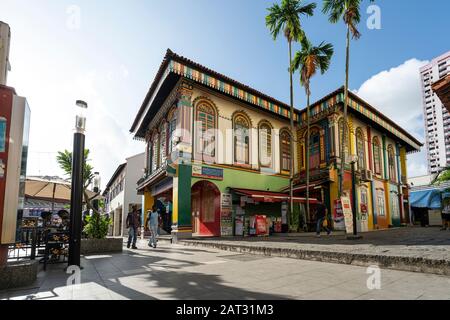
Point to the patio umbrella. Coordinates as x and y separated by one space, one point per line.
51 190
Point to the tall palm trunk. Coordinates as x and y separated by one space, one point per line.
307 152
345 128
291 174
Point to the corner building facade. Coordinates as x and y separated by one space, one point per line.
218 154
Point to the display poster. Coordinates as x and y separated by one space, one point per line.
338 216
226 215
239 225
261 225
348 215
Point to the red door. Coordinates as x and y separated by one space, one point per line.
205 209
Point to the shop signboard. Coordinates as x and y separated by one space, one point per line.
226 223
348 215
338 215
226 200
207 172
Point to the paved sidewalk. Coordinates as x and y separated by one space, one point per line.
178 272
415 249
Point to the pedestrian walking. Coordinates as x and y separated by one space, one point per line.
133 224
153 222
321 215
445 215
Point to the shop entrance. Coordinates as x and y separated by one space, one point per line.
205 209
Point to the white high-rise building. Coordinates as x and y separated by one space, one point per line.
437 118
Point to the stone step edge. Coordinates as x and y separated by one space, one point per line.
411 264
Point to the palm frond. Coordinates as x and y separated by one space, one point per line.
334 8
309 59
286 18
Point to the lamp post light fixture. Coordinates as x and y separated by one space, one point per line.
76 198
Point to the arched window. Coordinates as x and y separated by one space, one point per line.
391 163
341 138
285 148
241 128
205 118
155 160
376 155
149 157
172 125
360 149
162 143
265 145
314 153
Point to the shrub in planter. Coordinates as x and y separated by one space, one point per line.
97 226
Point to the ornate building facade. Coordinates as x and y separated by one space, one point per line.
218 153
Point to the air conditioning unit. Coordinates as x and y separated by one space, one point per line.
366 175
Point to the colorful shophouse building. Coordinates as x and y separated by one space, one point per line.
218 151
380 147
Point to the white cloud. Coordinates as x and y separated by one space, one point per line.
397 94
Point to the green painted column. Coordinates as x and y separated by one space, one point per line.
182 225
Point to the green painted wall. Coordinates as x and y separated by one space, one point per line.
247 180
184 195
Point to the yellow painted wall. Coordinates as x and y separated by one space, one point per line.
175 201
226 109
149 201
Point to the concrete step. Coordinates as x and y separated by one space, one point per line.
417 263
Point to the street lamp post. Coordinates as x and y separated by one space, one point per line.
355 230
76 198
353 161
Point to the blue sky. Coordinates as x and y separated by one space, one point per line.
112 57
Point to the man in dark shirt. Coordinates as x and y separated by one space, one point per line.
321 215
133 224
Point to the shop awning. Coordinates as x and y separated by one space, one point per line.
430 199
268 196
303 186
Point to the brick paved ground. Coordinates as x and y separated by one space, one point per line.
178 272
410 248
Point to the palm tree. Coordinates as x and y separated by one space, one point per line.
349 11
308 61
286 18
64 160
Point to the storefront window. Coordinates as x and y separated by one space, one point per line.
377 155
380 203
162 147
149 157
341 138
395 207
360 149
285 142
314 157
172 120
265 144
206 122
391 163
155 160
241 140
